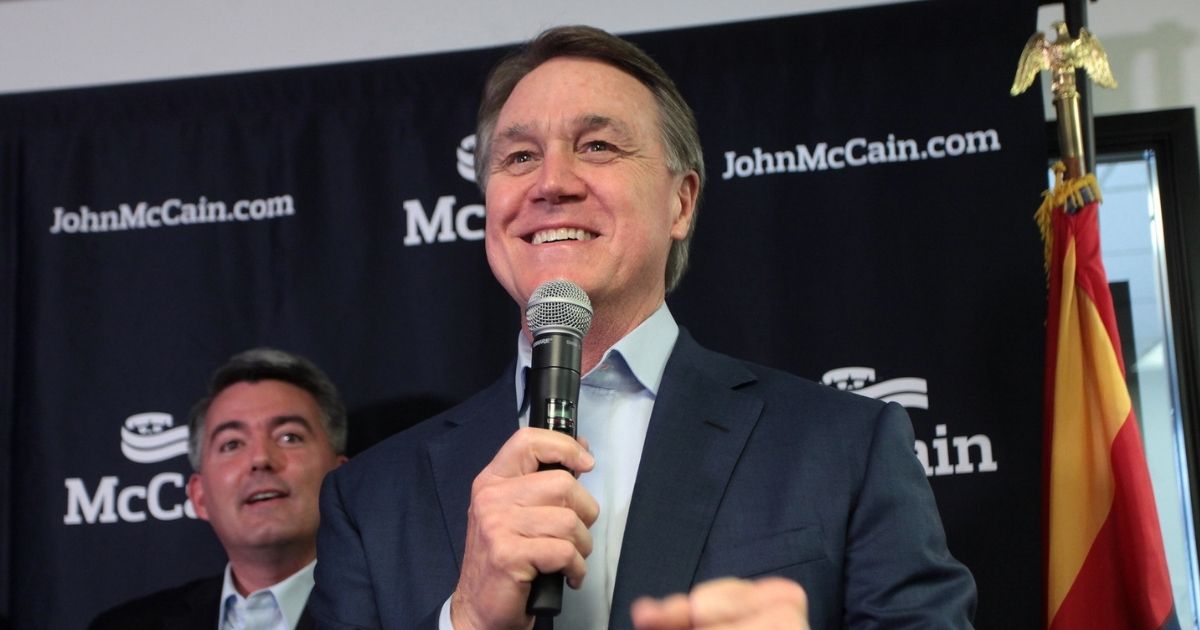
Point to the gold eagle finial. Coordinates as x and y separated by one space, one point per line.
1061 58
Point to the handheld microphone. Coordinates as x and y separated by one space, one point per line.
558 315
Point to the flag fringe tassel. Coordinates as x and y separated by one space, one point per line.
1069 195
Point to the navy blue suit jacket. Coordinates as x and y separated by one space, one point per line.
746 471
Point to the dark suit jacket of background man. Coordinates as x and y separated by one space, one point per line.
746 471
194 605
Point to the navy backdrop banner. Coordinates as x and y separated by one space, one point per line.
866 223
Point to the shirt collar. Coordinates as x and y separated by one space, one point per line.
644 350
291 594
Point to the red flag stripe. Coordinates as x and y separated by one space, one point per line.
1108 592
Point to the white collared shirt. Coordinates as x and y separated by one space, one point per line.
289 597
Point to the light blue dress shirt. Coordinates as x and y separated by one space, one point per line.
276 607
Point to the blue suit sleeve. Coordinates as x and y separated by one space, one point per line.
899 571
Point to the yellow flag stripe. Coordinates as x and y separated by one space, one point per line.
1091 403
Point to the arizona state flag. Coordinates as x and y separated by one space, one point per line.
1105 566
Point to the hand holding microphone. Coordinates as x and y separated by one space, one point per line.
525 527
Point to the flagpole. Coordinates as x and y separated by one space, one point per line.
1064 58
1076 14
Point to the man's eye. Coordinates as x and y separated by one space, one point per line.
519 157
518 162
291 438
229 445
599 152
597 145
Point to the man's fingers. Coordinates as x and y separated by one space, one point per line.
728 600
554 522
548 488
524 558
670 613
726 604
529 448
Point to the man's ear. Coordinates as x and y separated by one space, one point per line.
686 196
195 492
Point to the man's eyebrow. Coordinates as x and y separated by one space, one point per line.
592 122
279 421
514 132
228 425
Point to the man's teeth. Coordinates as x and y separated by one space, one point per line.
263 496
562 234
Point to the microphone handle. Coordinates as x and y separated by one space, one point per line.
554 386
546 590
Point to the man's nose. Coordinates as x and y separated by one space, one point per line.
264 455
558 178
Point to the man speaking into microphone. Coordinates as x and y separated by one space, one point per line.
704 491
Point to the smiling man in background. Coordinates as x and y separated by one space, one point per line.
261 441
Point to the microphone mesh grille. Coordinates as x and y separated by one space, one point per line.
559 304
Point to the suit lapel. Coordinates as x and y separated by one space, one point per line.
305 622
697 431
202 606
457 456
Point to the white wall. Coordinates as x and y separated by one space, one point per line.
1154 44
56 43
1154 49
